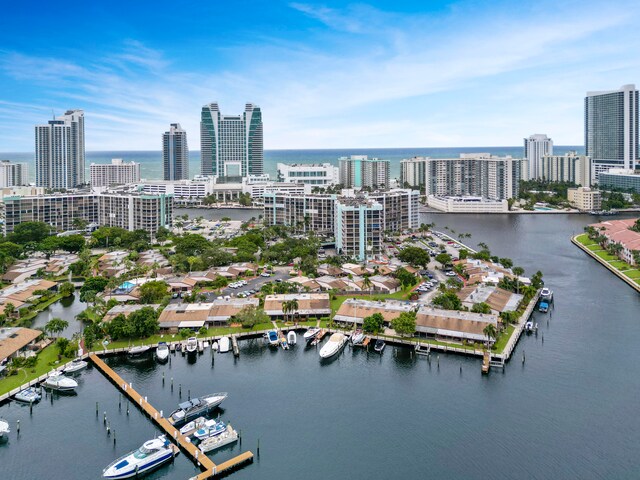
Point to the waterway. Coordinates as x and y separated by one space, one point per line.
570 411
66 309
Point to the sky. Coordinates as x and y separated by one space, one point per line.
326 75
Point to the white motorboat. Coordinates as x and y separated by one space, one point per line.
310 334
225 345
333 346
528 326
379 346
272 338
4 428
192 345
138 350
162 352
192 426
358 337
211 428
214 346
152 454
75 366
28 395
196 407
546 294
292 338
225 438
57 381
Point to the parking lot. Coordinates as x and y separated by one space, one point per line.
281 273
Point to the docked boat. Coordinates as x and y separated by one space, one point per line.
333 346
292 338
189 428
192 345
162 352
57 381
379 346
546 294
196 407
358 337
28 395
224 345
211 428
214 346
225 438
310 334
272 338
75 366
543 307
138 350
4 428
151 455
528 327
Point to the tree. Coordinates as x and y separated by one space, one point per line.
79 223
373 323
443 258
28 232
67 289
405 323
415 256
93 285
448 301
506 262
250 316
184 333
143 322
508 317
191 245
62 344
367 284
9 309
56 325
481 307
406 278
518 272
153 291
490 332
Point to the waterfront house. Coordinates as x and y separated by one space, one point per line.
15 341
356 310
125 310
176 316
498 299
25 291
384 284
310 305
453 325
223 311
617 232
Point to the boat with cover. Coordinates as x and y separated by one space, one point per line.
333 346
358 337
4 428
57 381
292 338
138 350
162 352
379 346
151 455
189 428
546 294
225 345
28 395
272 338
225 438
195 407
192 345
75 366
211 428
310 334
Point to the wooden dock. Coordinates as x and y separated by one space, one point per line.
486 362
193 452
234 345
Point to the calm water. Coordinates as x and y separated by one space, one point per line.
67 309
569 412
151 161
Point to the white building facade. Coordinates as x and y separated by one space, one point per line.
360 171
535 147
13 174
310 174
570 167
115 173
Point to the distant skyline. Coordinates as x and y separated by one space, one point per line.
330 75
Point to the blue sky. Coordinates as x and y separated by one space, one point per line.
327 75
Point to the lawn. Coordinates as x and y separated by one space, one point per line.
47 359
594 248
634 274
585 240
620 265
498 347
606 256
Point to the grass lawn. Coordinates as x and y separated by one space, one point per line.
620 265
635 274
498 347
606 256
594 248
47 359
585 240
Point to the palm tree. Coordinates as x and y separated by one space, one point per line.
518 272
293 307
367 284
9 309
56 325
490 332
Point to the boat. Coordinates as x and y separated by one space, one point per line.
151 455
225 438
310 334
188 428
272 338
211 428
57 381
543 307
4 428
292 338
546 294
162 352
138 350
28 395
192 345
225 345
75 366
379 346
528 327
214 346
358 337
195 407
333 346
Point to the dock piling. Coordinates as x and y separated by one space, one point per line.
171 384
180 390
18 426
96 409
104 418
189 394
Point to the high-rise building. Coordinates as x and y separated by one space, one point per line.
360 171
570 167
231 146
115 173
309 173
13 174
358 226
413 172
175 153
60 151
611 129
535 147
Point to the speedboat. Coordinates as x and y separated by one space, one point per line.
162 352
546 294
57 381
192 426
379 346
225 438
211 428
357 338
138 350
292 338
4 428
225 345
214 346
543 307
333 346
195 407
528 327
28 395
152 454
75 366
310 334
192 345
272 338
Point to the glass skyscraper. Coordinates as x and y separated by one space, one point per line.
175 153
231 146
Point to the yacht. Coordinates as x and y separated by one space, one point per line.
333 346
196 407
292 338
138 350
211 428
225 345
192 426
162 352
4 428
546 294
28 395
75 366
379 346
192 345
357 338
225 438
272 338
310 334
57 381
152 454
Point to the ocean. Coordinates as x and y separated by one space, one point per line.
151 161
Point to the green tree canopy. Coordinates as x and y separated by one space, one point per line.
373 323
191 245
481 307
66 289
153 291
406 278
93 285
405 323
27 232
448 301
415 256
250 316
443 258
